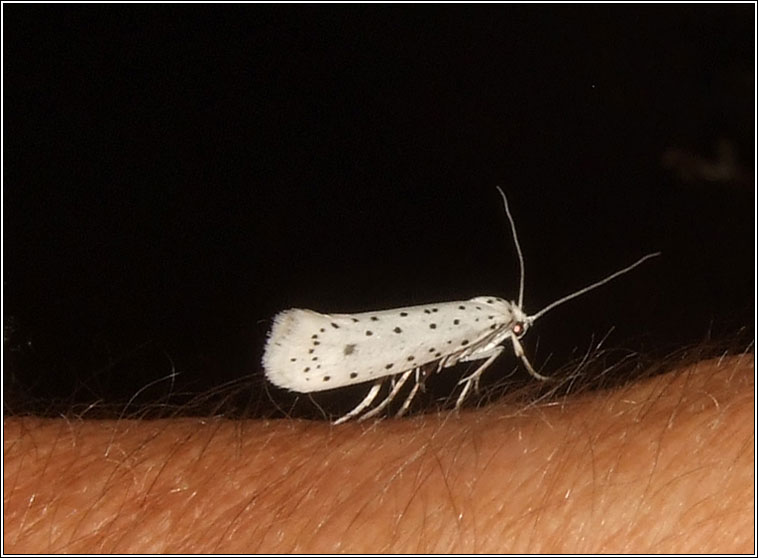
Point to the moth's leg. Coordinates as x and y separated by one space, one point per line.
407 403
425 371
387 400
474 378
518 350
363 404
393 381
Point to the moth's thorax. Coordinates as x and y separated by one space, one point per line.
517 321
503 307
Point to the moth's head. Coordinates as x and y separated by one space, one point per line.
521 321
514 318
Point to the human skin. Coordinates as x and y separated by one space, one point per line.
662 465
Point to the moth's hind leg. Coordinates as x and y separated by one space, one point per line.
390 396
419 384
363 404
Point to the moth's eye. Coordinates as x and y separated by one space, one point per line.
518 328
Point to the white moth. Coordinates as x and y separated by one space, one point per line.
308 351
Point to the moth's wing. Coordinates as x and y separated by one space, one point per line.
285 358
308 351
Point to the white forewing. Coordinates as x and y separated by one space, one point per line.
308 351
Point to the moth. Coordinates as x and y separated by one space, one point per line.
308 351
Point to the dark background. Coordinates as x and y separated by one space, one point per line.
176 175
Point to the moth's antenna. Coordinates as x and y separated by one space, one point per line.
589 288
518 248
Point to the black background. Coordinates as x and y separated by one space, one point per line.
174 175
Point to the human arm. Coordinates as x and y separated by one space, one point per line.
661 465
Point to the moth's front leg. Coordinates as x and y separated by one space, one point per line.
518 349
